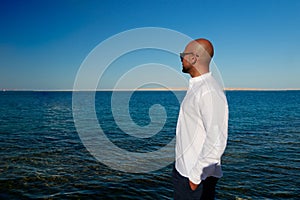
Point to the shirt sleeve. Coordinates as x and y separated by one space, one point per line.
214 115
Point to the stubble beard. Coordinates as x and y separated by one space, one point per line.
185 69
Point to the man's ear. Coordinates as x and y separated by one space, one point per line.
193 59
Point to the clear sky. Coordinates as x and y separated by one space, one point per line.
43 43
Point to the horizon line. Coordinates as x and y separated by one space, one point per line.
145 89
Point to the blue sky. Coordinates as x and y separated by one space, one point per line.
43 43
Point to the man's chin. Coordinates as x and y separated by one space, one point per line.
184 70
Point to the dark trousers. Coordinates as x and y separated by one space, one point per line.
205 191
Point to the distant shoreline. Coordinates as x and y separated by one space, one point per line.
261 89
144 89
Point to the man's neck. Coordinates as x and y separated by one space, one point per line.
195 75
197 72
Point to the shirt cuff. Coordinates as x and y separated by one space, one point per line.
195 178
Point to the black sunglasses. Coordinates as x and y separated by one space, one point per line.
184 54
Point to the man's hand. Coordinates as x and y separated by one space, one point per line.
193 186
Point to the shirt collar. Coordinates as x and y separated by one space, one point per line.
199 78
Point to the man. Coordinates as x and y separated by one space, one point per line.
201 132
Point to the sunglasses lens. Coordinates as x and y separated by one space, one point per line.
181 56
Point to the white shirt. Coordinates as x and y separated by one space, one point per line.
201 133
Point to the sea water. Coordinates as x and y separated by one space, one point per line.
43 157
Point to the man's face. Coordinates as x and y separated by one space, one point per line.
186 60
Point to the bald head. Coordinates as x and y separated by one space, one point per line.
206 45
201 47
198 63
